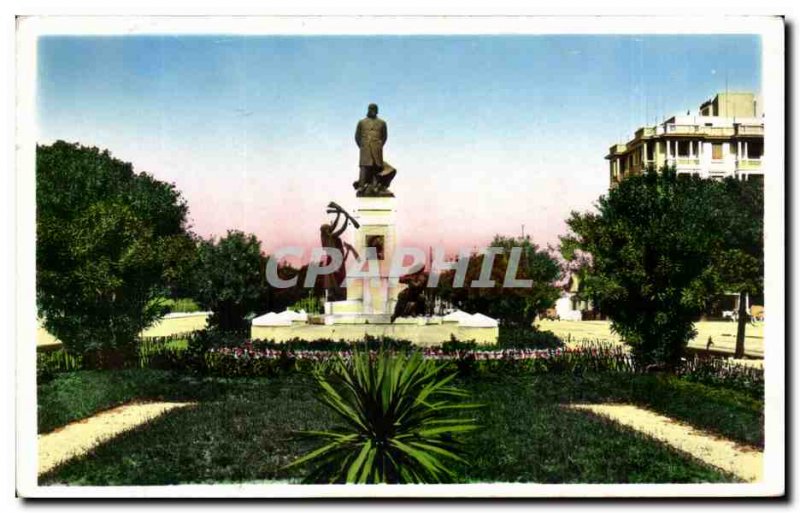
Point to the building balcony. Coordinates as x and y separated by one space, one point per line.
616 149
699 130
750 130
748 164
684 164
683 161
646 131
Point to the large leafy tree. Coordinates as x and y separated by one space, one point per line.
740 264
653 242
515 307
229 279
109 241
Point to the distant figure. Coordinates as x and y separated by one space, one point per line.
375 173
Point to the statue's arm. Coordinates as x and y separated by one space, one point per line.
384 133
358 134
344 225
350 249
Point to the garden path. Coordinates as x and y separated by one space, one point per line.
77 438
744 462
723 335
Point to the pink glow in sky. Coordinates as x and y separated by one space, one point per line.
488 133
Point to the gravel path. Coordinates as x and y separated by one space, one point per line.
77 438
744 462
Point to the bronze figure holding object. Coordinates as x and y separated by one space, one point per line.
331 238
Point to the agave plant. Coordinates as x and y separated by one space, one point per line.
400 422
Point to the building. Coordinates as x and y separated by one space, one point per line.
570 306
725 137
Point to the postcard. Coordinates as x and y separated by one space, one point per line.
400 257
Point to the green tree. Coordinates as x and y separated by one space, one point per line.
652 242
515 307
740 265
229 279
108 243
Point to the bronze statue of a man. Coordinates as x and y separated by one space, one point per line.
376 174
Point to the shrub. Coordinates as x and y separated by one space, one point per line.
222 354
370 343
50 363
108 241
511 306
310 304
723 373
398 423
163 353
229 280
527 338
463 355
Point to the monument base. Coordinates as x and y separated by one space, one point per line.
422 331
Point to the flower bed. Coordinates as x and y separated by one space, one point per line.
206 354
250 359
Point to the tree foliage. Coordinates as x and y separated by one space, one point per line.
229 279
109 241
656 243
740 264
511 306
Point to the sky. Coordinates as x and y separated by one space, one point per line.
488 133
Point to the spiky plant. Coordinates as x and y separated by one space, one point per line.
399 422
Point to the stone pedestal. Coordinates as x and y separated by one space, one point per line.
373 298
370 302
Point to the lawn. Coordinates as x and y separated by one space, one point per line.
163 328
243 430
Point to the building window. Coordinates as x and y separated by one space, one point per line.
755 149
716 151
650 153
684 148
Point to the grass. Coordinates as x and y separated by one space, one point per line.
531 438
167 327
731 414
77 395
242 429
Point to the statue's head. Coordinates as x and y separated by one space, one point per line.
372 110
325 229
